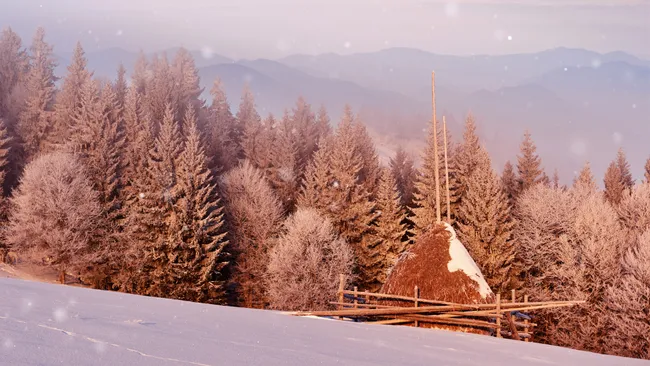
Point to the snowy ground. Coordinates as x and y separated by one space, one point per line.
46 324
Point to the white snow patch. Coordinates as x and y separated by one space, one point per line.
462 261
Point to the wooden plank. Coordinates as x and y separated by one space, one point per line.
370 306
498 316
391 321
449 321
416 295
526 320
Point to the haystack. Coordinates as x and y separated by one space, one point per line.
441 267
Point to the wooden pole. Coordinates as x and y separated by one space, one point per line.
416 294
526 320
356 303
341 289
444 134
498 315
435 145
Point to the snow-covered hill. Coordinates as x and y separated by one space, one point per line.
45 324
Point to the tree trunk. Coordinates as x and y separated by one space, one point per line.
62 276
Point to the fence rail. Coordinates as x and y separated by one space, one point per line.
375 308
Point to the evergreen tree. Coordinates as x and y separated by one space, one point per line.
139 139
14 64
5 148
333 187
614 186
247 119
585 179
302 124
509 182
187 84
370 171
556 179
389 227
160 88
257 141
120 87
140 77
646 174
282 171
198 256
68 100
529 165
35 120
485 224
223 134
404 173
624 167
323 123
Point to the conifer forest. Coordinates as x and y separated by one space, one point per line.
139 185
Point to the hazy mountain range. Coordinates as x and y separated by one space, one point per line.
579 105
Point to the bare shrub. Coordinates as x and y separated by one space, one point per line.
55 211
304 268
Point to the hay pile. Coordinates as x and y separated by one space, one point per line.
441 267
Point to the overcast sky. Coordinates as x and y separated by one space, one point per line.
275 28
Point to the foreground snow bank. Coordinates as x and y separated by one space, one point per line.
45 323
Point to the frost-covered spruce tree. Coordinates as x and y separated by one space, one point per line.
646 173
404 174
389 227
585 179
34 124
486 226
248 122
334 187
509 182
198 256
223 135
187 88
14 64
69 99
529 165
283 171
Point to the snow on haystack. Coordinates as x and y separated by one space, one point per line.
462 261
441 267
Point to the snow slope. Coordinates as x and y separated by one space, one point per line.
45 324
462 261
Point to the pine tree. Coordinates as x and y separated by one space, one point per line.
485 224
529 165
167 148
5 148
302 124
614 186
585 179
333 187
187 84
120 87
323 123
96 139
509 182
282 171
223 147
370 171
68 100
404 174
257 140
624 167
199 257
14 64
556 179
389 227
646 174
35 120
247 118
140 77
160 88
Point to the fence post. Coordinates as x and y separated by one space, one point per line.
341 289
498 315
417 295
355 298
526 321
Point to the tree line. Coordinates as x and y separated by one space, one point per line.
139 185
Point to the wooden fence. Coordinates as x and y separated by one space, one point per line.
501 319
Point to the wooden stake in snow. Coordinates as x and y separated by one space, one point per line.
416 295
498 315
444 134
435 145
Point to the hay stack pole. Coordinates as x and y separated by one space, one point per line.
435 144
444 134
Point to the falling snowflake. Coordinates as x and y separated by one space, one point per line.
509 38
578 147
141 195
566 69
617 137
347 44
451 9
60 315
119 32
8 344
207 53
335 184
